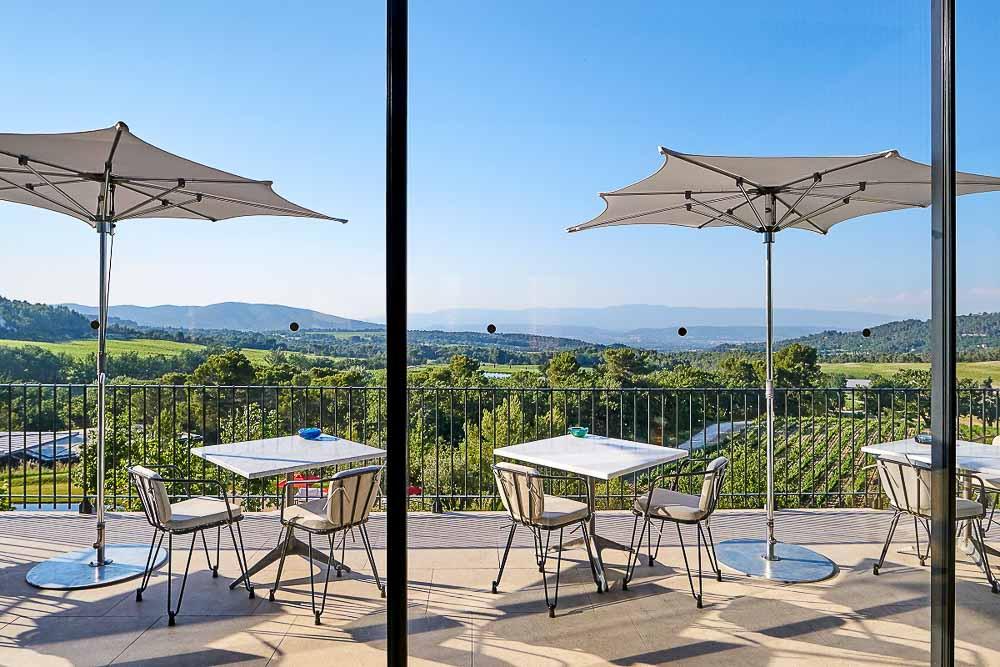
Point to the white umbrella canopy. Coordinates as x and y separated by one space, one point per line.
104 177
68 173
768 195
812 193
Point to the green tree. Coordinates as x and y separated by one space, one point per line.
231 367
797 365
464 371
737 370
621 366
563 370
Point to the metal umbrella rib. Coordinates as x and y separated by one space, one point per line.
94 163
883 179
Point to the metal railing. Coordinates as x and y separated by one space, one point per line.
47 452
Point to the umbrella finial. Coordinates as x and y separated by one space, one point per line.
121 126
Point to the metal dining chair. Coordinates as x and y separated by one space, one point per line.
347 506
908 487
663 503
522 492
188 517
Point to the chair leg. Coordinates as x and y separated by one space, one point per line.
536 539
714 557
888 541
241 557
317 613
980 540
506 551
634 548
649 546
286 545
659 539
154 548
687 566
172 613
208 557
916 541
371 558
343 555
555 598
700 592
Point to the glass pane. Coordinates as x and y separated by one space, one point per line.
239 316
647 325
977 559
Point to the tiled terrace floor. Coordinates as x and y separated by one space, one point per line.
853 618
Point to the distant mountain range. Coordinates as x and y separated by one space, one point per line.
231 315
641 325
649 326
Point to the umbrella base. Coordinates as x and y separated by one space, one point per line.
73 570
795 564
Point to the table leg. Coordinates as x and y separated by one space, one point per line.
597 542
298 548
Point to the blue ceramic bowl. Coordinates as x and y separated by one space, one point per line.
310 433
578 431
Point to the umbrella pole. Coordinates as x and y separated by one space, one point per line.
769 386
768 558
104 230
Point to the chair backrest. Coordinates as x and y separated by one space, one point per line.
152 493
906 485
351 495
711 487
996 440
521 491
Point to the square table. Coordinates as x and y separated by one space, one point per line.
259 459
971 457
594 457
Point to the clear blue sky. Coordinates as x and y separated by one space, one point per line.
520 114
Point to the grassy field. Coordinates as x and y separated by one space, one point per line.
975 370
143 346
81 348
25 483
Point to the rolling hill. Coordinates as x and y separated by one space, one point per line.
979 331
232 315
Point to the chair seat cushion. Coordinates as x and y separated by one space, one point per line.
964 509
666 504
562 512
967 509
201 511
309 515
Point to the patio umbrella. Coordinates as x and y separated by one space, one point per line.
768 195
104 177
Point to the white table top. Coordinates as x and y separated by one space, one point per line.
257 459
595 456
971 456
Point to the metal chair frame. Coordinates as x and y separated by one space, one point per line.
704 535
288 526
160 529
541 547
905 508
